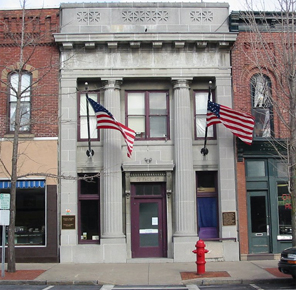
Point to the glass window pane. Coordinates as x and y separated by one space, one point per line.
256 168
89 186
89 215
262 123
92 125
149 224
157 104
201 102
258 214
207 217
261 90
206 181
138 125
284 209
25 116
30 216
26 86
136 103
158 127
201 127
282 169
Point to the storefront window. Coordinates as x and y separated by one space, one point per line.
30 213
207 205
284 210
89 205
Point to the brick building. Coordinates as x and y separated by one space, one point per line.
37 67
264 204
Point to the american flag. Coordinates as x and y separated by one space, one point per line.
105 120
239 123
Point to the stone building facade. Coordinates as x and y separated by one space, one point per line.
150 65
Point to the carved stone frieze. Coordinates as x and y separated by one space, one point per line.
145 16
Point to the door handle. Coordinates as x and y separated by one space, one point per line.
267 230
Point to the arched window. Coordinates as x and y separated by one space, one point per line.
25 97
261 105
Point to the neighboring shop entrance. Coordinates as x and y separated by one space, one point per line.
148 220
258 222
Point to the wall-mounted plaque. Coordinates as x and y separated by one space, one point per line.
68 222
229 218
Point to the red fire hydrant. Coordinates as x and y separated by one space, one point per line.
200 252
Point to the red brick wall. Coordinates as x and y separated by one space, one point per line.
41 60
246 55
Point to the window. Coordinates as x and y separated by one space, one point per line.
82 117
284 209
261 94
148 114
25 99
30 212
88 207
207 205
256 168
201 104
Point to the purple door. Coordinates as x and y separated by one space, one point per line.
148 222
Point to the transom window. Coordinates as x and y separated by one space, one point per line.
24 94
262 111
148 114
82 116
201 104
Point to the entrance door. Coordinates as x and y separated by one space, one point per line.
258 220
148 221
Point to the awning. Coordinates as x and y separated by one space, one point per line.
4 184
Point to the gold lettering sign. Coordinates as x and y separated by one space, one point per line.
229 219
68 222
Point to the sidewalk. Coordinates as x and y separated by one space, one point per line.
152 273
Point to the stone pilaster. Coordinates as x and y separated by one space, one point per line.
184 198
111 175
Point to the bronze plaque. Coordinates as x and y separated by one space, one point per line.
229 219
68 222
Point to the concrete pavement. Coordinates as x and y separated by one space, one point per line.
147 272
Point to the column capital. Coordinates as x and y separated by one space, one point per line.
181 83
112 83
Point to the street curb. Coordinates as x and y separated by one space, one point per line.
198 282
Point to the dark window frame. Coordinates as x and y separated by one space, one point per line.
207 193
147 114
214 137
79 116
87 197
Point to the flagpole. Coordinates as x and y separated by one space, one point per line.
89 152
205 150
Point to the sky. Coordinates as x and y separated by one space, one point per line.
235 5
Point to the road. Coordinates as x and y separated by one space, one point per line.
287 284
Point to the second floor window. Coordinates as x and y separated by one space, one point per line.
201 105
262 111
148 114
82 116
23 92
